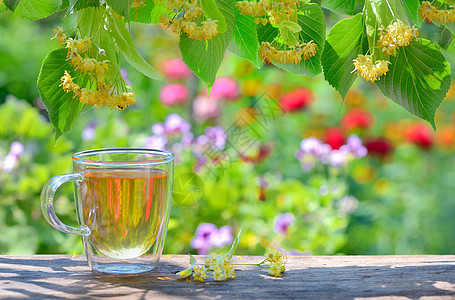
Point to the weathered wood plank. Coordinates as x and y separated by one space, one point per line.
307 277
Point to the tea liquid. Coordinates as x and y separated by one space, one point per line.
124 208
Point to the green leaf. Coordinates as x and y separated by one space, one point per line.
157 11
143 14
3 7
205 57
418 79
62 108
343 44
244 41
291 26
11 4
33 9
91 23
412 8
76 5
445 36
346 7
235 243
121 7
381 13
313 29
125 43
289 37
188 271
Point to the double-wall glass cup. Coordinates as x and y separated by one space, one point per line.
123 202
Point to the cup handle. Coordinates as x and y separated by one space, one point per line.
47 204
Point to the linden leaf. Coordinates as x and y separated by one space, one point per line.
63 109
418 79
291 26
205 57
33 9
343 44
244 41
312 22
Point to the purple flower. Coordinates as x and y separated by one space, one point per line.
355 146
338 158
313 146
213 137
221 237
156 142
347 205
201 241
282 222
124 73
208 235
174 124
12 158
89 132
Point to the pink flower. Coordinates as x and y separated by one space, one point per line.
174 94
205 109
225 88
175 69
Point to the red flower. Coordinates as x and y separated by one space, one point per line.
357 118
378 146
263 152
334 137
420 134
296 100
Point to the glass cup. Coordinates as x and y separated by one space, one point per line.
123 201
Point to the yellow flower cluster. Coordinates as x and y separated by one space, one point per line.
221 266
370 72
100 97
199 273
294 55
277 261
185 19
103 94
59 35
431 13
272 11
396 35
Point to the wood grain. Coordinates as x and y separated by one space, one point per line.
307 277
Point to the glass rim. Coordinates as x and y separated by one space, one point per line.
163 157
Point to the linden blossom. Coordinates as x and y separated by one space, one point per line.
396 35
431 13
370 72
186 15
293 56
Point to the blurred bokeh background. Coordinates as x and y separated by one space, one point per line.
311 175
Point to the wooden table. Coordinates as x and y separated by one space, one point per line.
312 277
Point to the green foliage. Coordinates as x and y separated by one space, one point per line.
313 29
340 6
63 109
424 78
124 42
120 7
245 39
343 44
143 14
204 57
412 8
75 5
33 9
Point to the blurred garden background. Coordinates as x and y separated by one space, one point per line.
312 176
